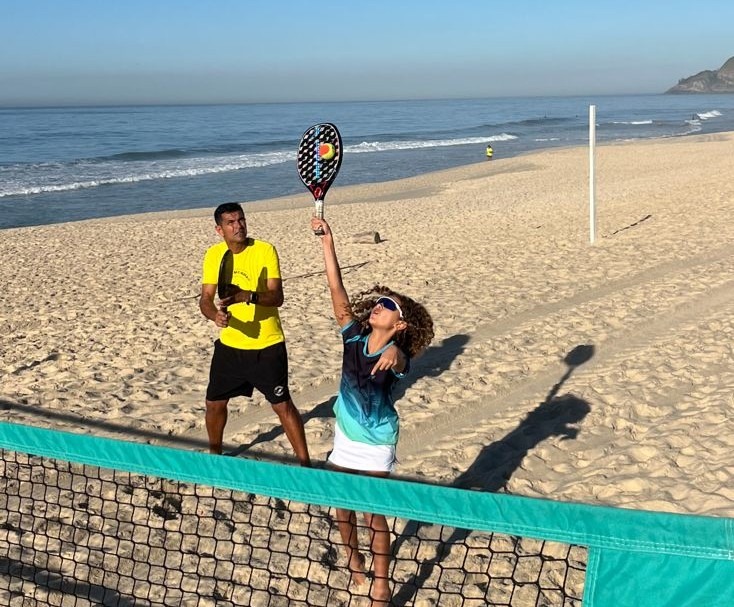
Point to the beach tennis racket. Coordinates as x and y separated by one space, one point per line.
318 159
224 282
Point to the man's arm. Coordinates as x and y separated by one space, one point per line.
273 297
209 309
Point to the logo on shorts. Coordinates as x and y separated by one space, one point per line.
279 390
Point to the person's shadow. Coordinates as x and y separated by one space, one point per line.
496 463
323 410
432 363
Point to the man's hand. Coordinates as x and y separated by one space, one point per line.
222 318
236 295
240 296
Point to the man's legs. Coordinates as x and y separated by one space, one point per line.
216 419
292 424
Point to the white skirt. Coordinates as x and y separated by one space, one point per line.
361 456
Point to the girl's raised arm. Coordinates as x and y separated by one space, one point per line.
339 297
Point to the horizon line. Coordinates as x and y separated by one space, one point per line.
81 105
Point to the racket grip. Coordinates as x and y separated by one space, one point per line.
320 215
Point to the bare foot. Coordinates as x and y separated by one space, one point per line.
356 569
380 593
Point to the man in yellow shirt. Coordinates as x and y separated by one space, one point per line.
250 352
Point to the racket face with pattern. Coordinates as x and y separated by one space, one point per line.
226 270
318 160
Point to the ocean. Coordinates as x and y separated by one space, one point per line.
73 163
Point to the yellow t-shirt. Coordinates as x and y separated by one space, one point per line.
251 327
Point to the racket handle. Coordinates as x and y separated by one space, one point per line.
320 215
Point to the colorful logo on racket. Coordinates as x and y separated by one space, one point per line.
319 158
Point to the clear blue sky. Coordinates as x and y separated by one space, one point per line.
165 51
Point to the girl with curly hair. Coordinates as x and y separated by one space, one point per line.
381 330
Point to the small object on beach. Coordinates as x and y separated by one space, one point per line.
370 237
327 151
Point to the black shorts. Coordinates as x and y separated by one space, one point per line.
236 372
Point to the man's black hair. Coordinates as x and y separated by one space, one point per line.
226 207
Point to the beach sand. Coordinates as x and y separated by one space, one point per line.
596 373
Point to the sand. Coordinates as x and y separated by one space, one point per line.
600 373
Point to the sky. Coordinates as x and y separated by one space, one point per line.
100 52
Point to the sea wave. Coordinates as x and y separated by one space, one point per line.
56 177
387 146
709 115
633 122
544 121
136 156
224 149
133 167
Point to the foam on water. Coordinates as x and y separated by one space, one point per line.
62 164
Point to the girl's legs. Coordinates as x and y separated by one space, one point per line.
347 522
380 545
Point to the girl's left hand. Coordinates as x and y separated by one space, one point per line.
392 358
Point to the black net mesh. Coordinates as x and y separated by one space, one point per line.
78 535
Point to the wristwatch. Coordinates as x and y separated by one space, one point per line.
253 297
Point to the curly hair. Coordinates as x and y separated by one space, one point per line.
419 332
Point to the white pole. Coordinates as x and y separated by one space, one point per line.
592 201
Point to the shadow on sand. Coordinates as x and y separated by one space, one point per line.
493 468
434 361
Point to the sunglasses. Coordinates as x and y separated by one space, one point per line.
389 304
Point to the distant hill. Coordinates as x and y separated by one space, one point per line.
708 81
